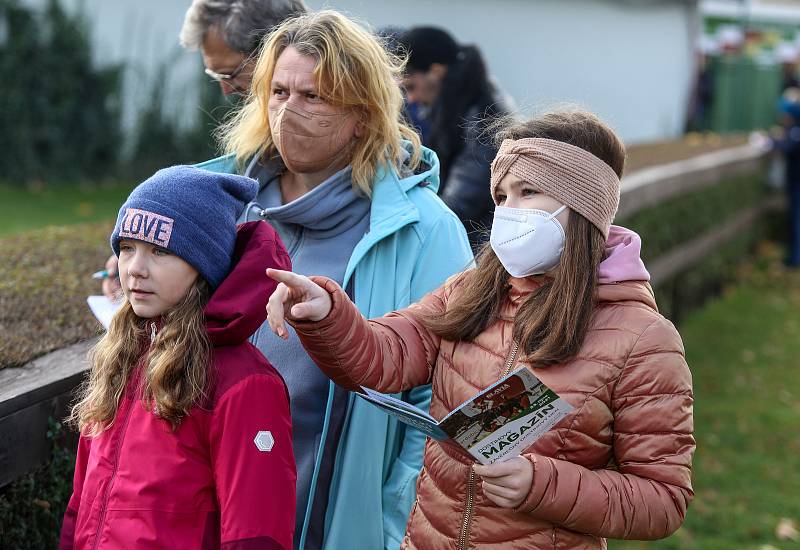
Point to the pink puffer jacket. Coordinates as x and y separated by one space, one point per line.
618 466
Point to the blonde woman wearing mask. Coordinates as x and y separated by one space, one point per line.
352 194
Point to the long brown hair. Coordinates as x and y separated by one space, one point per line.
552 322
176 373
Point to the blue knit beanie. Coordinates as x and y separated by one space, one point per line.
190 212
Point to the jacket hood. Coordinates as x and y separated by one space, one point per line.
622 276
425 174
623 260
627 291
238 306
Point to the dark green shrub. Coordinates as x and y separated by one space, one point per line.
32 507
160 140
60 115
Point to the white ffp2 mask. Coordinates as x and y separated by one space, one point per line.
527 242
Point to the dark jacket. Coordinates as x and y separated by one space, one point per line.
789 145
465 171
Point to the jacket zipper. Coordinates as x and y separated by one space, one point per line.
117 450
107 492
511 358
464 536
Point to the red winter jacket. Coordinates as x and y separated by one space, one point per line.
226 477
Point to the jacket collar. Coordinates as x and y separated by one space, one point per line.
391 209
238 306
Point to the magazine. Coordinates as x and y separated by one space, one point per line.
495 425
103 308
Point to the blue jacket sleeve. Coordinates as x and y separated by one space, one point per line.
445 251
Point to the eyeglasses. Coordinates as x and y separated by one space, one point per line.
228 78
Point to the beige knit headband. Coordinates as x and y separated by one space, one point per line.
569 174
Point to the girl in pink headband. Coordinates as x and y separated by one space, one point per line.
557 292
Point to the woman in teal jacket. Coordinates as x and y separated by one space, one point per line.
352 194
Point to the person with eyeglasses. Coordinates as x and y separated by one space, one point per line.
228 33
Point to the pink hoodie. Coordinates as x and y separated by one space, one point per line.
623 260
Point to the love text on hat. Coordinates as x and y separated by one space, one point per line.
146 226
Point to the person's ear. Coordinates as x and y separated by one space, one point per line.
360 128
437 70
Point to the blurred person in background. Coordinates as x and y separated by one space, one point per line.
228 34
702 97
787 141
450 97
788 56
352 194
390 37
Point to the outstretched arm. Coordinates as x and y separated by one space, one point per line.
389 354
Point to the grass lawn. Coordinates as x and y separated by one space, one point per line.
23 208
744 352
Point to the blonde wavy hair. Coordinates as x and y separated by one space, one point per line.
176 372
353 71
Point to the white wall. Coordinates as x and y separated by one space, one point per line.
143 34
628 60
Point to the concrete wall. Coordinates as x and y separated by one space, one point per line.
628 60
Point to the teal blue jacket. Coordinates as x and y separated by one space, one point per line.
413 245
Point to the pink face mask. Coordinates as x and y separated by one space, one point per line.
309 142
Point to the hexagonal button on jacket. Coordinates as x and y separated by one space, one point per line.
264 441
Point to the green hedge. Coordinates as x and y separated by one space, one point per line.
31 508
684 217
680 219
689 290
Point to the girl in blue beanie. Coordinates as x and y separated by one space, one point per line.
185 427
